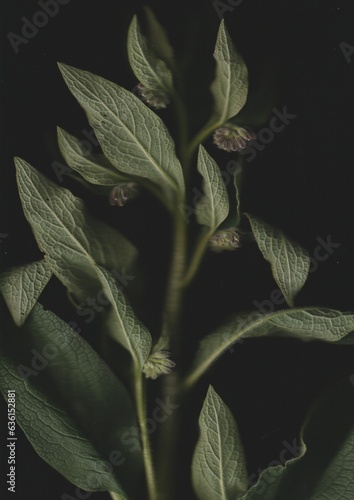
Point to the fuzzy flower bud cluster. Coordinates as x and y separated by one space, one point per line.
158 364
231 137
123 192
226 239
155 98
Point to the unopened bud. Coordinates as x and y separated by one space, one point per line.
226 239
155 98
121 193
231 137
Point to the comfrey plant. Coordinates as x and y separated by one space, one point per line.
123 434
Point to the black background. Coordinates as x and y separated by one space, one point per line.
302 182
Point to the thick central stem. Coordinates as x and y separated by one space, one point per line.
171 332
174 287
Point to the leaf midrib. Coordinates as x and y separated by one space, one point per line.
139 37
221 461
161 172
203 367
207 185
224 114
84 162
71 236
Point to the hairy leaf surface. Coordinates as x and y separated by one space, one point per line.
289 262
230 86
218 468
149 69
72 240
304 323
213 208
95 169
69 404
22 286
124 325
132 136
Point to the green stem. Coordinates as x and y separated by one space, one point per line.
115 496
169 337
147 456
196 258
168 437
201 136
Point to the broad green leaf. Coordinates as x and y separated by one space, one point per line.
324 469
158 39
69 404
56 438
149 69
94 168
132 136
218 468
72 240
22 286
303 323
289 262
125 327
213 208
230 86
268 483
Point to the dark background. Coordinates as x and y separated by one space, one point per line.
302 182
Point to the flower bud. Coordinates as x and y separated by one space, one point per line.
155 98
121 193
231 137
226 239
158 364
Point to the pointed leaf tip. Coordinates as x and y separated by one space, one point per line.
218 467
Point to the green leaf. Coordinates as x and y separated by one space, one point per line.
94 168
268 483
132 136
230 86
22 286
304 323
149 69
124 326
213 208
289 262
325 465
158 39
218 468
72 240
69 404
